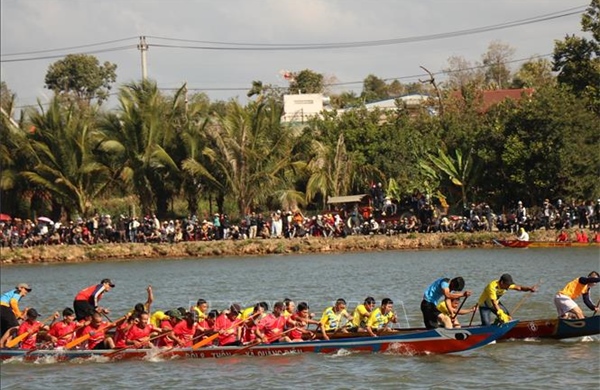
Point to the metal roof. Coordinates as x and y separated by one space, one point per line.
345 199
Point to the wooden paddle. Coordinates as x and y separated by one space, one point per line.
13 342
473 315
459 308
518 305
212 338
597 306
86 337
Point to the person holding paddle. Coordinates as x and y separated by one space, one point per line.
332 318
9 307
489 301
63 331
228 326
381 317
31 326
97 333
455 303
272 325
88 298
442 289
140 333
361 315
564 300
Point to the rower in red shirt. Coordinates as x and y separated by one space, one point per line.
185 330
250 327
173 317
62 332
32 326
140 333
273 325
87 299
228 326
302 319
97 331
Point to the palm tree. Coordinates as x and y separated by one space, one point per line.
63 159
460 170
331 170
136 136
255 152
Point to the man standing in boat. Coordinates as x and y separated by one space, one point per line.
489 301
9 307
87 299
565 298
441 289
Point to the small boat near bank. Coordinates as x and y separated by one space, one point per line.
546 244
422 342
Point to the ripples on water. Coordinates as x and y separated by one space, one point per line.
319 280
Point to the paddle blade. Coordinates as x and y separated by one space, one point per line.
77 341
17 340
206 341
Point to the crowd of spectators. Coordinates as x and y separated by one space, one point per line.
417 215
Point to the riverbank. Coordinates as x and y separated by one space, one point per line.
254 247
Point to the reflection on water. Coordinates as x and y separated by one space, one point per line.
320 279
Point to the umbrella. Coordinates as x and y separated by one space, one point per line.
5 217
45 219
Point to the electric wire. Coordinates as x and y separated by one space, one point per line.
126 47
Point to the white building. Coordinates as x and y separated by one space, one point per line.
299 108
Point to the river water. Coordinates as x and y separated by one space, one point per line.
318 280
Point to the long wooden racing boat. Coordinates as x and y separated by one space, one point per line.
554 328
545 244
424 342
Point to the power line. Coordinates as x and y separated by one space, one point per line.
340 45
68 48
119 48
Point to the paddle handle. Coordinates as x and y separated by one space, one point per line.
459 308
520 303
473 315
597 307
254 344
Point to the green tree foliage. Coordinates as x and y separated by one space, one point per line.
306 81
374 89
459 170
534 74
80 76
497 72
254 152
62 151
136 136
577 59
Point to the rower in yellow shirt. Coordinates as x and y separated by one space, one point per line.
361 315
381 317
489 301
454 317
332 318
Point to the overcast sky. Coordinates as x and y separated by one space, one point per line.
36 25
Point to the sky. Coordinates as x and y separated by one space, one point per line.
40 27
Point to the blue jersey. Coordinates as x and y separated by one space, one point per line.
8 296
435 292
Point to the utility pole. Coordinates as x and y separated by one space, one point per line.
143 47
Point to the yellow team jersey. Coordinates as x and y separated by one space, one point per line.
157 317
377 319
201 314
360 316
492 292
443 308
247 312
330 320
